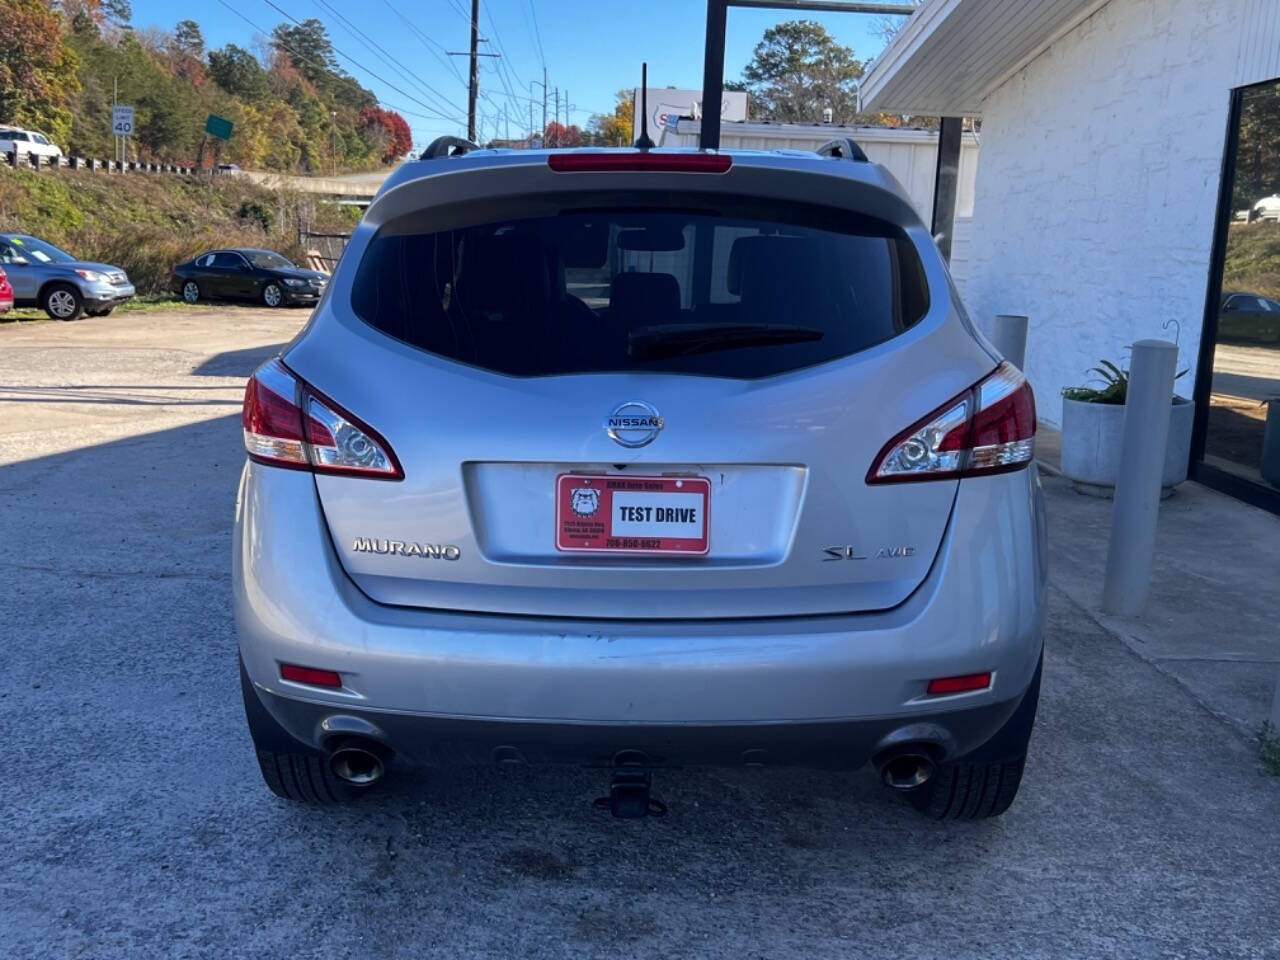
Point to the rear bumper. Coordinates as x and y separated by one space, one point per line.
425 740
824 691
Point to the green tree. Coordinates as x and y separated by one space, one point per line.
238 72
308 48
37 69
187 38
798 71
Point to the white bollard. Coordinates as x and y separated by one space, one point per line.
1010 337
1137 498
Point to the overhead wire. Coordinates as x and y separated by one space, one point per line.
347 56
386 57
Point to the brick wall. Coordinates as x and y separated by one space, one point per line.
1098 185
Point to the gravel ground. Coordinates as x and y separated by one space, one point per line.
134 822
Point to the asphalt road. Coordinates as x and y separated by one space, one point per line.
133 822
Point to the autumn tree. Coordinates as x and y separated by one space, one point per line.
37 70
558 135
617 128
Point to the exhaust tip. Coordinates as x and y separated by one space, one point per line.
357 763
906 771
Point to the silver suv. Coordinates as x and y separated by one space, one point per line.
635 459
52 279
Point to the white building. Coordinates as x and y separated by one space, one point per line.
910 155
1097 210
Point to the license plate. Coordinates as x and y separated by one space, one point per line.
622 514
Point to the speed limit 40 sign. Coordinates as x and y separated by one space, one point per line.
122 121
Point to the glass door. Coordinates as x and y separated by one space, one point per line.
1237 443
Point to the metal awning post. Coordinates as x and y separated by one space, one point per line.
946 183
713 74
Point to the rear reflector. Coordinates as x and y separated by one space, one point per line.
310 675
965 684
990 428
639 161
326 440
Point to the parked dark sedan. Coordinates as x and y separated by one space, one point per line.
1249 317
247 274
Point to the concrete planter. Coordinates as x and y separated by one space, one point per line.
1092 434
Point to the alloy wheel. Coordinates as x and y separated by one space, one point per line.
62 304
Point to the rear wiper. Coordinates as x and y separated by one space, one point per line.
680 339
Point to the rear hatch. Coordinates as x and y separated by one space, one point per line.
639 395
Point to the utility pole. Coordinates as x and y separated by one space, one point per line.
475 71
506 122
533 83
557 120
473 88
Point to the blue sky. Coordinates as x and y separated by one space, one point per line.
591 48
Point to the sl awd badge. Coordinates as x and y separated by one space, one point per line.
851 553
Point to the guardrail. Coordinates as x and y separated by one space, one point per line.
15 158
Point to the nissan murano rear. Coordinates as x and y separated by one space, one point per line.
638 459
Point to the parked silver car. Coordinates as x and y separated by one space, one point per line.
636 459
52 279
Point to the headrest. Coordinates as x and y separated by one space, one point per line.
654 297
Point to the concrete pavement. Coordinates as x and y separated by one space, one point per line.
135 825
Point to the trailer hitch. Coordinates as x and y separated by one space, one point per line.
629 797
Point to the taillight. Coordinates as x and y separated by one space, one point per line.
990 428
966 684
287 423
639 161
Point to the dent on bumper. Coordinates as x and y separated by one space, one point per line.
981 608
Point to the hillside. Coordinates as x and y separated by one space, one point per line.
1253 259
147 223
293 107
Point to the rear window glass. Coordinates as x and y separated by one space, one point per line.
714 293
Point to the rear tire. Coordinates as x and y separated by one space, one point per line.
62 301
191 291
984 783
288 770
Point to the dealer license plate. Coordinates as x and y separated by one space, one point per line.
622 514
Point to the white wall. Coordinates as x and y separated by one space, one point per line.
910 155
1098 185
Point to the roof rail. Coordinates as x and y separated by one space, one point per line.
447 147
842 149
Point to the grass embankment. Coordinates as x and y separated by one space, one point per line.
146 223
1253 259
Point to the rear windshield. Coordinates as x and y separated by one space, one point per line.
714 293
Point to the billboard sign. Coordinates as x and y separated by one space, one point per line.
667 104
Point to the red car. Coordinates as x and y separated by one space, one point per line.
6 293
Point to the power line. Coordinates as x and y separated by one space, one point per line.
353 60
379 51
301 59
428 43
537 34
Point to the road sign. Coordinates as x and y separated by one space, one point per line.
122 121
218 127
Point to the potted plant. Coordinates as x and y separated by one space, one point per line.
1093 434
